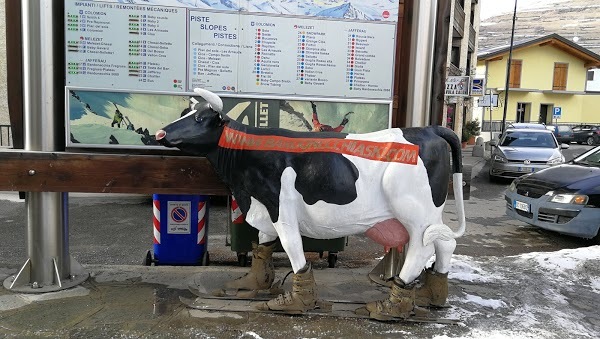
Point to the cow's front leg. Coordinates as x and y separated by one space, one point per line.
262 272
303 296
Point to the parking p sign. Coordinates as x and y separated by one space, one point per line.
557 113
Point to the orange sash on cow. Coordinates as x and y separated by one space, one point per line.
380 151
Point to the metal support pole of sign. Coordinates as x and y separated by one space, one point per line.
48 266
508 64
490 107
420 63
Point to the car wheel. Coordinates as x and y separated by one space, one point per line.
493 178
590 141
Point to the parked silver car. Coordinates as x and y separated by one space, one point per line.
524 150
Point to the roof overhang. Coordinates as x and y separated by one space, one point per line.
589 58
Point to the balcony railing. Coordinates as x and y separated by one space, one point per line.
472 36
459 19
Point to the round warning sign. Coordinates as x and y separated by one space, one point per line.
179 217
179 214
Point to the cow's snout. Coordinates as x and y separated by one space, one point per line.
160 134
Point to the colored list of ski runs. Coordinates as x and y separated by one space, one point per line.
176 49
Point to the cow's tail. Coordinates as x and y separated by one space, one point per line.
441 231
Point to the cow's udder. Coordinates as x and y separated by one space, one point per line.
389 233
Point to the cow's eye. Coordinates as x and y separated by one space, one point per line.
198 118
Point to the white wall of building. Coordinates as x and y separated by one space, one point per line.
594 84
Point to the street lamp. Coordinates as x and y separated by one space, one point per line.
512 37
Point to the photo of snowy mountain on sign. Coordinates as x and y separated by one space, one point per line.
333 116
130 119
342 9
126 119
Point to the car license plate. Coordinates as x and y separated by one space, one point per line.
523 206
526 169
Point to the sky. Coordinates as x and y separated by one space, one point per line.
496 7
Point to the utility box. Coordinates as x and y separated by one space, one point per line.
180 230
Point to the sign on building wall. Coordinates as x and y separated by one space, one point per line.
488 100
478 87
334 51
458 86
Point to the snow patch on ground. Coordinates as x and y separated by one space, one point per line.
466 269
491 303
595 284
499 334
569 259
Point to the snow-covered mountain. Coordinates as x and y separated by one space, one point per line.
342 9
346 11
576 20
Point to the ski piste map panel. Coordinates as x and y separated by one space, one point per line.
334 49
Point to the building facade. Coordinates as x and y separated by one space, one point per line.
547 83
593 80
461 59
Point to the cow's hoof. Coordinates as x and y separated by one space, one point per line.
262 273
400 304
386 310
434 291
289 303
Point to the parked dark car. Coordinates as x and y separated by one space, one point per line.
563 198
563 133
587 134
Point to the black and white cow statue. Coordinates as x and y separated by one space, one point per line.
391 185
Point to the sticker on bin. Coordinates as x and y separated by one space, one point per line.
179 217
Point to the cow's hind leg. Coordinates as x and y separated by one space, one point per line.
401 302
434 290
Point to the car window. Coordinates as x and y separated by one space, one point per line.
528 139
592 159
564 128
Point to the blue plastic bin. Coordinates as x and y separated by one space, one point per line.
180 224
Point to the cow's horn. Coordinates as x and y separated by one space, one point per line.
213 100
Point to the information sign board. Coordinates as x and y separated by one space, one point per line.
478 87
118 46
132 67
557 113
458 86
488 100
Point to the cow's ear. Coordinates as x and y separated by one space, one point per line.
223 120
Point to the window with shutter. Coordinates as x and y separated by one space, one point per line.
515 74
560 76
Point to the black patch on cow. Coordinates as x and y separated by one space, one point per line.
433 151
321 176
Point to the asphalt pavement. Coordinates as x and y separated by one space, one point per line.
110 235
